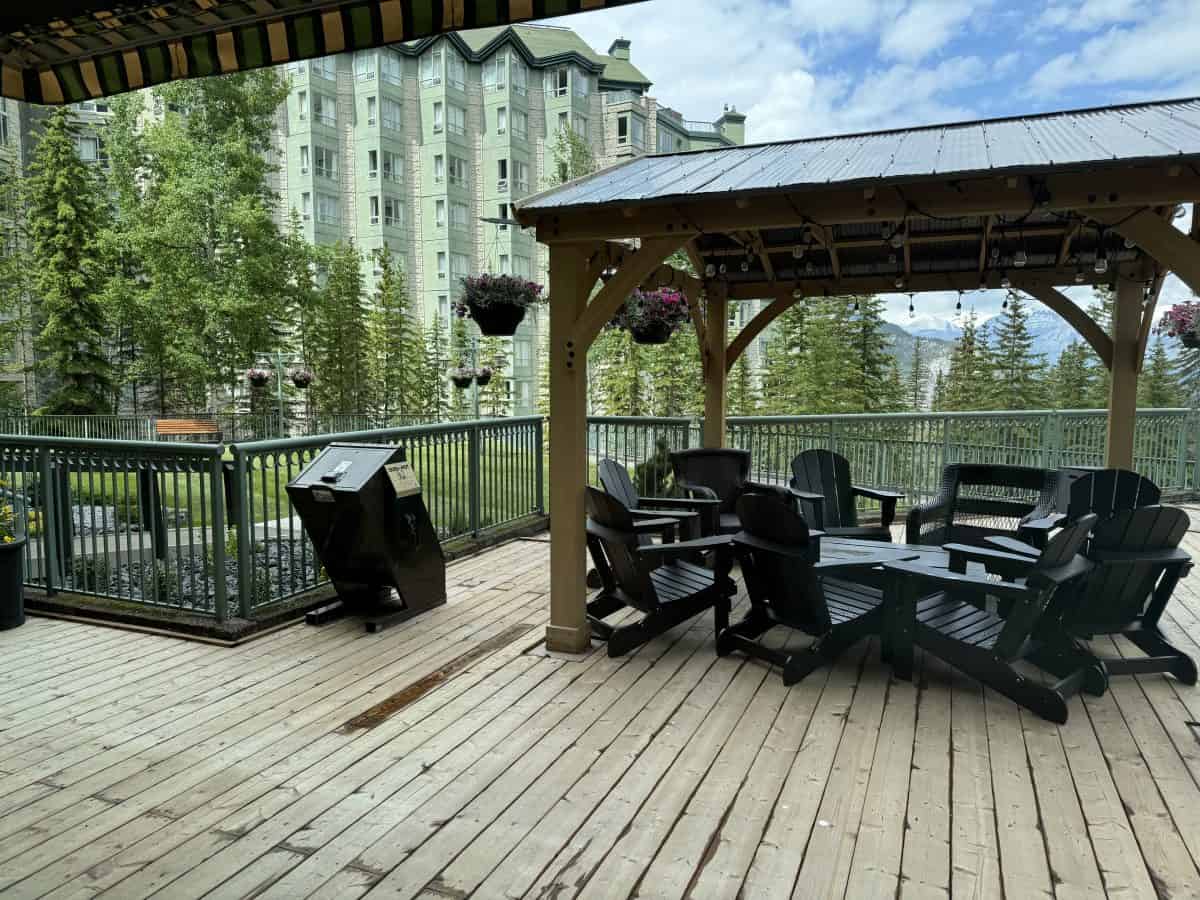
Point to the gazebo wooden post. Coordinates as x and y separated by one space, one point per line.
568 630
716 330
1122 392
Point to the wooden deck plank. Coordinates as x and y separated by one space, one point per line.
974 846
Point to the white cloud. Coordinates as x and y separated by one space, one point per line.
922 28
1159 51
1090 15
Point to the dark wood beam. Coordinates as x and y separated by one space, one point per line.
1172 248
755 326
1064 249
1084 325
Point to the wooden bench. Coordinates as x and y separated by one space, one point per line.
188 429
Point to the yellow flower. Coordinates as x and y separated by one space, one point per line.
9 539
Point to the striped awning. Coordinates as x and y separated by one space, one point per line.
63 51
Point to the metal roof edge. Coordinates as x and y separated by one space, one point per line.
574 182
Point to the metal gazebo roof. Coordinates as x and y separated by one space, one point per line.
63 51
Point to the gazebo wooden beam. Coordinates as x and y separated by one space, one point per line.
1148 308
716 330
1084 325
755 327
1158 237
886 283
1085 193
1122 393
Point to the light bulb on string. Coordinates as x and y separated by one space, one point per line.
1004 305
1005 281
1101 262
722 268
958 305
911 309
710 270
745 265
856 304
1080 278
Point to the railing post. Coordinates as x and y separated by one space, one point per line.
1181 453
473 475
539 465
245 537
216 490
945 444
49 522
833 435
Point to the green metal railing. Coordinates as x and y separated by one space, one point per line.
208 530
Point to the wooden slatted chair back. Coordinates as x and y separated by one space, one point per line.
1116 595
827 473
785 580
1059 564
616 481
724 470
1110 491
610 522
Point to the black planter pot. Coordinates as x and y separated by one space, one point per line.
462 382
12 576
259 382
1190 339
653 333
497 320
483 380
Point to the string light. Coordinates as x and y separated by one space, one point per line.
856 304
1020 259
1079 276
958 305
1101 263
898 237
910 305
722 268
798 252
710 270
797 293
899 283
745 265
1005 281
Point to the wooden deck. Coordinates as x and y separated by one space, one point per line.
135 765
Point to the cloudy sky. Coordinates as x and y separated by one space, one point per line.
802 68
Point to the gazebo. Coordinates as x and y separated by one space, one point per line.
1033 203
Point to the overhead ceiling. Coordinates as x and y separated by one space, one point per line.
63 51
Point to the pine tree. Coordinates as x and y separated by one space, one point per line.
1019 383
968 382
939 391
573 157
395 344
916 384
784 362
435 403
64 214
870 373
14 294
1073 379
339 334
619 374
461 402
674 374
1101 310
830 361
493 397
1158 386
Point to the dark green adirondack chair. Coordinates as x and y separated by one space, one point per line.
690 514
950 614
1104 492
651 578
720 474
779 559
821 482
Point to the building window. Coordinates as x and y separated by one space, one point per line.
372 163
522 267
502 214
327 209
502 175
502 120
456 70
324 109
564 121
458 171
460 266
306 206
304 160
441 264
438 117
522 353
456 119
637 132
364 66
667 142
623 129
392 167
460 214
372 111
391 67
393 211
439 169
326 67
580 125
559 81
374 210
302 104
582 83
439 213
324 161
520 124
3 126
443 309
431 68
521 175
391 114
519 76
505 266
91 149
494 71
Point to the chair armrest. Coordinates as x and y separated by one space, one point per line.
675 514
699 490
1007 565
653 526
1130 557
805 495
1037 531
807 551
716 542
923 512
1012 545
942 578
681 503
876 493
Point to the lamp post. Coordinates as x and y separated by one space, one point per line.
278 360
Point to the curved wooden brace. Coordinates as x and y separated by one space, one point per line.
1158 237
637 266
1084 324
755 326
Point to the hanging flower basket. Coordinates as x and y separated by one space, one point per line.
258 377
1182 321
497 303
651 317
483 376
302 378
462 377
12 560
